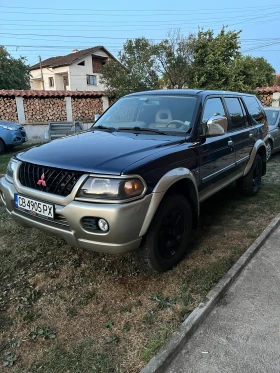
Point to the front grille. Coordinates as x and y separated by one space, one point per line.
58 222
47 179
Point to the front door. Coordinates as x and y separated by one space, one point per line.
217 157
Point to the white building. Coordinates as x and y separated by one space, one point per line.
77 71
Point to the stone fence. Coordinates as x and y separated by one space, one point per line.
39 107
269 96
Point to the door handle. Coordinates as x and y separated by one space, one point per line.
250 135
230 142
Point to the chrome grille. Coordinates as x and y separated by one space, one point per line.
53 180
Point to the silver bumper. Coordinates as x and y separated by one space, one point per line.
125 221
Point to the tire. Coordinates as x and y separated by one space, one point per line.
250 184
166 241
2 147
268 150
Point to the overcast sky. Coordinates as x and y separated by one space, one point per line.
31 28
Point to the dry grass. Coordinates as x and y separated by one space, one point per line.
108 315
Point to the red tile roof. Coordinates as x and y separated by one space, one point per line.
33 93
70 58
269 89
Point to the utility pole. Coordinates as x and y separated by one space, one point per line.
42 78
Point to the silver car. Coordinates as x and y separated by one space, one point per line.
273 139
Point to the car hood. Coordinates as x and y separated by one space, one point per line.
15 126
98 151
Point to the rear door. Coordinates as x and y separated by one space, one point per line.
217 158
242 133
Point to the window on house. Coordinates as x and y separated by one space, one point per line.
82 63
91 80
51 82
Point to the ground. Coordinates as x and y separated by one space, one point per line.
67 310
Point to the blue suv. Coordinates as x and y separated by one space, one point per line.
11 134
136 179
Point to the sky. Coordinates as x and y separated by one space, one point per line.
34 28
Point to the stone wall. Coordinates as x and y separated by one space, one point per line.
266 99
30 106
44 109
8 109
85 108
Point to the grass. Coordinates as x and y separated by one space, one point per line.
4 158
69 310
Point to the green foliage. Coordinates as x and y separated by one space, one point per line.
43 332
9 359
213 58
135 72
204 61
14 73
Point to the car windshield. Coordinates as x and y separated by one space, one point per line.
165 114
272 116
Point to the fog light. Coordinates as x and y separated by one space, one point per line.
103 225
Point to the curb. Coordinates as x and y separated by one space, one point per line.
163 358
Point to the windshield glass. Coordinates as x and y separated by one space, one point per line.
272 116
163 113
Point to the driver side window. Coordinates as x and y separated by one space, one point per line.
213 107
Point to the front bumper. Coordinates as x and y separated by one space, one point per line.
125 221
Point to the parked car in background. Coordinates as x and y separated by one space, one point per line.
273 139
136 179
11 134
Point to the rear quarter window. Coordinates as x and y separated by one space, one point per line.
255 110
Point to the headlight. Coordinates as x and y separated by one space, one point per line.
10 168
7 127
112 189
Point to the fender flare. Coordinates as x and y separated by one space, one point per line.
167 180
258 145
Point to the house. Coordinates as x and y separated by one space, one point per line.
79 70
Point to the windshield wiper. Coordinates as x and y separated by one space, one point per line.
139 129
110 129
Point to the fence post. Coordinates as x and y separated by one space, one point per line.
20 110
69 115
105 100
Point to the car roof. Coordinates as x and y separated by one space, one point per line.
190 92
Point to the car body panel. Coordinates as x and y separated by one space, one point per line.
274 129
16 136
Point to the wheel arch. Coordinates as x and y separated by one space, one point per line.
259 148
179 180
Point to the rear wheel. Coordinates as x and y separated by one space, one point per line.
168 236
2 147
250 184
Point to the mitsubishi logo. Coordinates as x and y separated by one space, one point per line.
42 181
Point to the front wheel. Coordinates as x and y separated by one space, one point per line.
250 184
168 236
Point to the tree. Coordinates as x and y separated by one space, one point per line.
252 72
213 57
136 71
175 55
14 73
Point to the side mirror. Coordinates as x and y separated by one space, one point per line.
96 117
216 126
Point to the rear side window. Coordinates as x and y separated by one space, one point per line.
236 112
255 110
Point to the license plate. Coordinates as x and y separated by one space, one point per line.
33 206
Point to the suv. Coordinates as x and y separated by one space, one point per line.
135 180
11 134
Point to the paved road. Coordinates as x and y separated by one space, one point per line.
242 334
